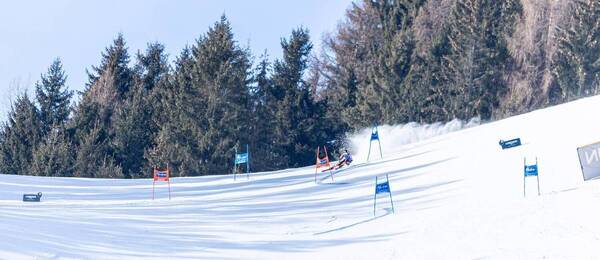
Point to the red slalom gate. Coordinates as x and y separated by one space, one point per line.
322 162
161 175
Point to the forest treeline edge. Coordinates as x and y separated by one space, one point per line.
387 62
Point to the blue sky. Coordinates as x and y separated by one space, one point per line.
35 32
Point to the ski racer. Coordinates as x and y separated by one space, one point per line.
345 159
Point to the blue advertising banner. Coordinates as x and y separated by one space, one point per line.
531 170
374 136
382 187
241 158
160 174
32 197
510 143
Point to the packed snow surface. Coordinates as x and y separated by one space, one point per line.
456 195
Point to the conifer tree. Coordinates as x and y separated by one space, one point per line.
54 156
176 142
384 97
221 73
263 102
297 130
478 56
106 94
427 95
91 128
19 137
348 57
115 59
373 53
133 133
93 158
152 66
53 97
137 121
577 61
175 145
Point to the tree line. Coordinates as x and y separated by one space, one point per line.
387 62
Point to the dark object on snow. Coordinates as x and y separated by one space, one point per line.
32 197
510 143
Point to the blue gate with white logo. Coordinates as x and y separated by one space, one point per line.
381 188
530 171
239 159
374 137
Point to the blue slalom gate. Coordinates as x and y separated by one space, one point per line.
381 188
241 158
530 171
374 137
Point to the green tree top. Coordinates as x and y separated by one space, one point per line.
53 96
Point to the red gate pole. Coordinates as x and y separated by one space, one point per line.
327 158
317 165
169 183
169 180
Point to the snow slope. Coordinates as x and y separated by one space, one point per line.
457 196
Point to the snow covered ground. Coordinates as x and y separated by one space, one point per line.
457 196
